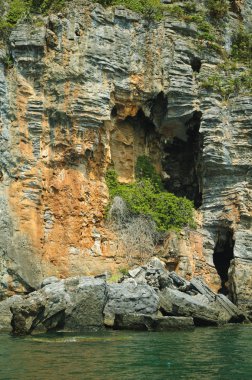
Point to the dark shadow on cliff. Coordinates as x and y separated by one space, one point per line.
223 254
183 162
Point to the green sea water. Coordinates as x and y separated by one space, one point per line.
202 353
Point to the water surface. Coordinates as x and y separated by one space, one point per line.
202 353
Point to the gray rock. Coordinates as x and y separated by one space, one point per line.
178 280
87 303
5 312
165 281
151 323
28 315
156 263
49 280
174 302
135 272
228 312
171 322
129 298
75 304
132 322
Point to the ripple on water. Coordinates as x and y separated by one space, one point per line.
207 353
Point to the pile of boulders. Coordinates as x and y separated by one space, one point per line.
147 298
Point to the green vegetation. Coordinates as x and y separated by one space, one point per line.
187 12
145 169
230 80
22 8
242 46
151 9
145 197
44 6
17 9
218 8
7 61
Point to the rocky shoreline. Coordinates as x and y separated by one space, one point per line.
147 298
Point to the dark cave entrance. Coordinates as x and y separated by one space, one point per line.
173 145
183 162
196 64
223 254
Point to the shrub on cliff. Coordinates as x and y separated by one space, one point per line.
137 232
16 10
242 46
20 8
145 197
149 8
218 8
145 169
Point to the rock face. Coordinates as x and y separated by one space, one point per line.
92 87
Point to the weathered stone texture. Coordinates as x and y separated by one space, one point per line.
74 304
129 298
77 99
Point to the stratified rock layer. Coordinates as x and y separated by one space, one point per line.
94 87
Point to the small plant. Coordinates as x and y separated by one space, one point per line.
229 80
44 6
124 271
20 9
140 212
17 9
8 61
218 8
5 28
190 7
176 10
105 3
242 46
115 277
151 9
137 233
145 169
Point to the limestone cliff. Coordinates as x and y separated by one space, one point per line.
91 87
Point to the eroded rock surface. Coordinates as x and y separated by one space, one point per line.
92 87
130 298
74 304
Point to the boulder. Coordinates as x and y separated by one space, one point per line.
49 280
85 311
5 312
174 302
155 263
28 315
151 323
75 304
171 322
129 298
228 312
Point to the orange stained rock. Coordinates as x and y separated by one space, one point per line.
137 80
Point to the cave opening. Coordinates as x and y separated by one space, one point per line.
223 254
196 64
114 112
175 148
183 162
140 120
